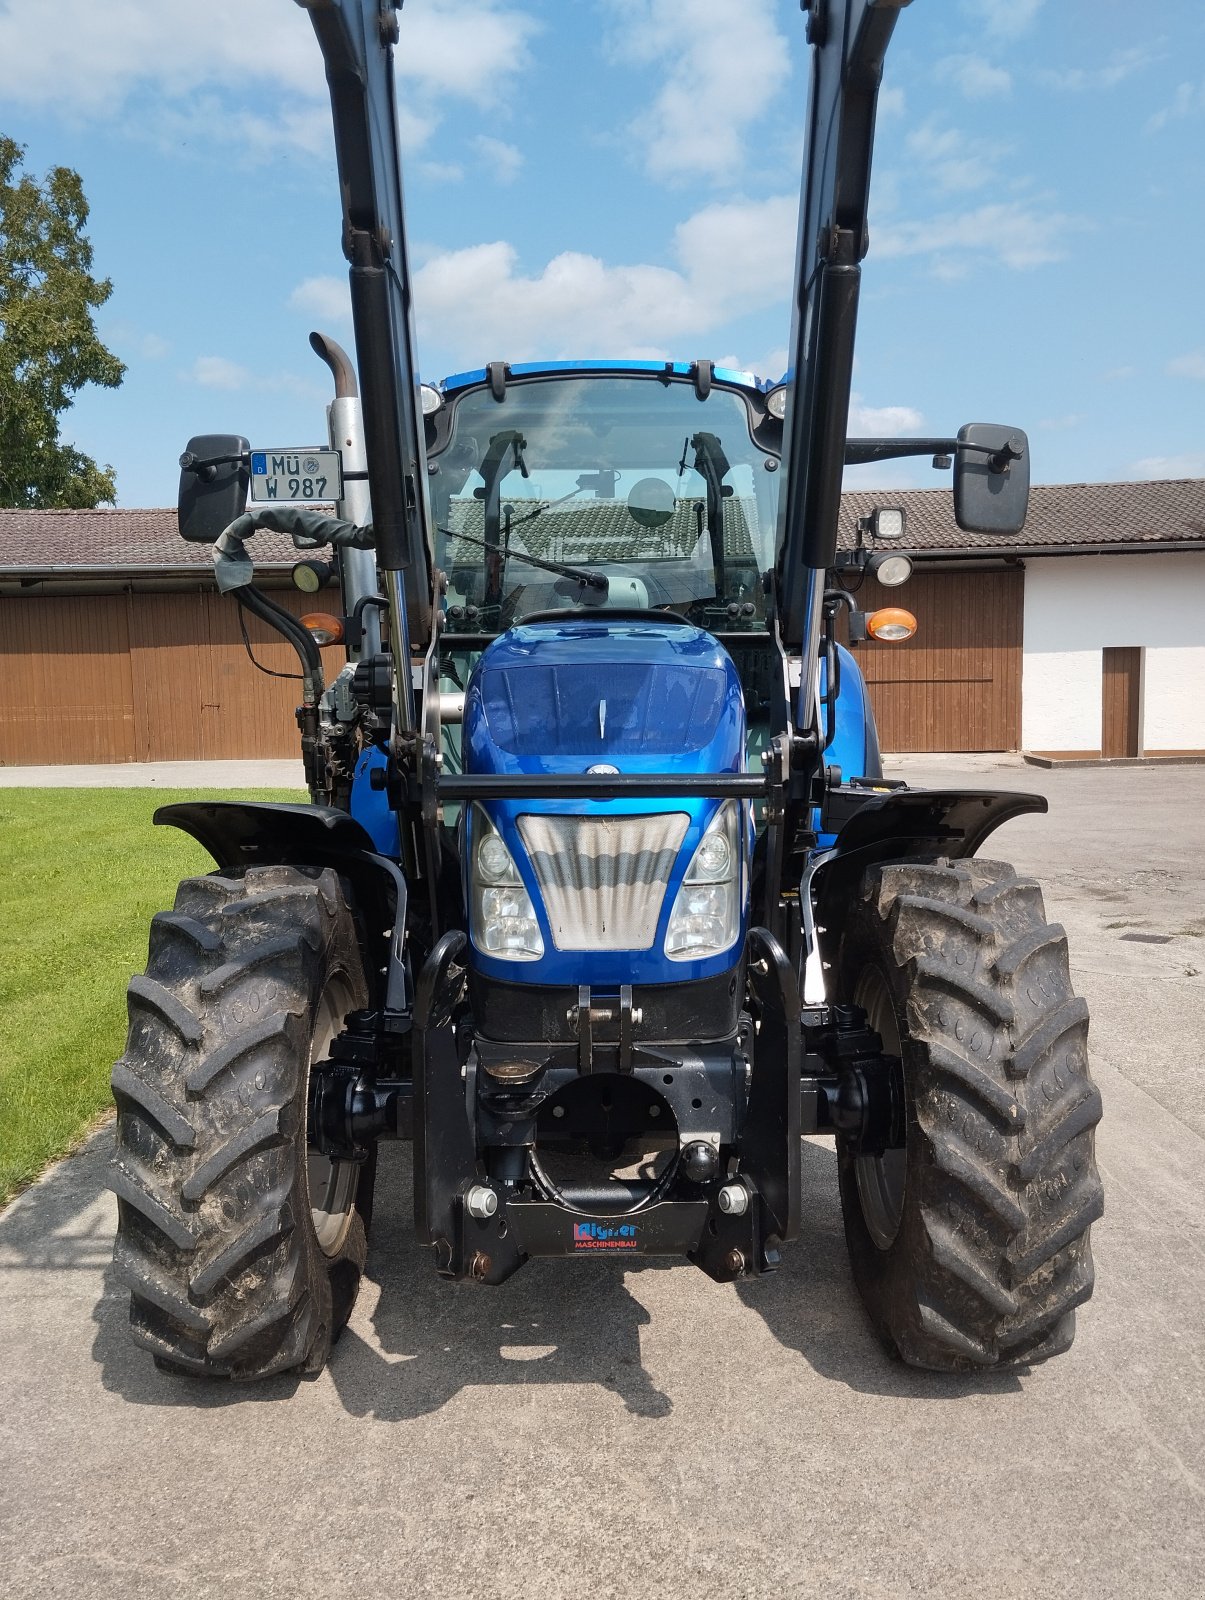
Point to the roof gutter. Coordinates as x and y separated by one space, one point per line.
1015 552
123 569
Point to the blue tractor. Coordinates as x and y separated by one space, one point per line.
601 900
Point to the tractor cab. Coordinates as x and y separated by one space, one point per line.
613 528
600 486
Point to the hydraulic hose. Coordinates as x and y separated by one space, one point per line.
285 623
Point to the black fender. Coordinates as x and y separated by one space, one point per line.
247 833
905 825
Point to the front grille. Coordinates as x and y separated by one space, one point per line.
603 879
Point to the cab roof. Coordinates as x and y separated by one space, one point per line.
676 369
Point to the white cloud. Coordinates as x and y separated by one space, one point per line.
719 70
1082 80
133 341
503 161
882 421
328 299
441 171
477 303
1017 234
741 254
1004 19
465 48
891 102
1191 464
1072 419
1191 365
973 77
771 364
182 63
954 160
1188 101
216 372
884 477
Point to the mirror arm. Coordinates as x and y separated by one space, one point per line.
858 452
206 468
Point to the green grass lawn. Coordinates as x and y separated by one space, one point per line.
83 872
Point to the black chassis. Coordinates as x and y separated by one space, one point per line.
413 1067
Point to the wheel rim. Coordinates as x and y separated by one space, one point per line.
332 1184
881 1179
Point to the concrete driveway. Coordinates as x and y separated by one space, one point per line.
591 1430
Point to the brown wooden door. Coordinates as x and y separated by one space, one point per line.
146 677
956 685
203 698
1121 702
66 693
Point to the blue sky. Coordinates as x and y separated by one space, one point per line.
620 177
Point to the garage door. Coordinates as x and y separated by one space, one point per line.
144 677
956 685
66 689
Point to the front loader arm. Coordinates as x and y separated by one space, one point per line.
849 39
357 38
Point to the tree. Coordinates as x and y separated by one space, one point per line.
49 347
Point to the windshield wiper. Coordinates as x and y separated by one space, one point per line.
496 543
712 465
507 443
582 575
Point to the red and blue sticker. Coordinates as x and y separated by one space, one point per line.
606 1236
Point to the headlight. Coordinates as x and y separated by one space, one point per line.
706 917
503 917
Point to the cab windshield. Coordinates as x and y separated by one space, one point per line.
604 491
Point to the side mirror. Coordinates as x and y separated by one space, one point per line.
215 474
991 478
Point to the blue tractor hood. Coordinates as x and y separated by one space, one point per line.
643 696
631 694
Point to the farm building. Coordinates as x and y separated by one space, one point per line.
1082 636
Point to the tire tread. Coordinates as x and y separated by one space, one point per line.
993 1255
223 1281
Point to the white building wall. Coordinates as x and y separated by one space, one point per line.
1173 698
1078 606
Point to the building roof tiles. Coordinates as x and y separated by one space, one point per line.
1075 517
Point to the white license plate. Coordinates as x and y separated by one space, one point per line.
296 475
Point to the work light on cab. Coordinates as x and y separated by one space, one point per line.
890 570
776 402
310 576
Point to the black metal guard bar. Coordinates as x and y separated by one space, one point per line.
850 39
745 639
356 38
589 786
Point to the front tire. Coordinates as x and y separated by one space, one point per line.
242 1249
970 1247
